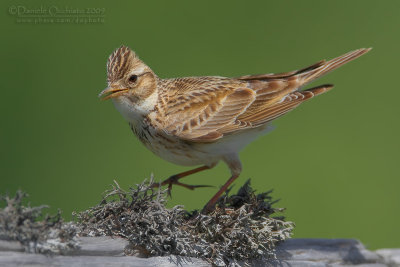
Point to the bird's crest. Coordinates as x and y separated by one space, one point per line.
119 62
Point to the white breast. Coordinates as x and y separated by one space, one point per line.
134 112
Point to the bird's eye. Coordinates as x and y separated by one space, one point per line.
133 78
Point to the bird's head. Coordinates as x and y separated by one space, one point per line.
128 76
132 84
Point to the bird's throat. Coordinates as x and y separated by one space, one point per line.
134 109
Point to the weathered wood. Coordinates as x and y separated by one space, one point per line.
391 256
106 251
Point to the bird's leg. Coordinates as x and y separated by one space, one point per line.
174 179
211 203
234 164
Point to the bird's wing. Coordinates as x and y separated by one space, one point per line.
196 108
256 116
203 109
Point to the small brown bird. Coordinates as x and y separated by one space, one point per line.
202 120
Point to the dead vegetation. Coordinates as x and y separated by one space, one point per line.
36 231
242 228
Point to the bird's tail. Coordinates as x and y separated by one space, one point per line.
323 67
309 73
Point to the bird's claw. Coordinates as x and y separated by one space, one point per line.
173 180
190 187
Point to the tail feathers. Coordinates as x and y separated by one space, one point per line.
323 67
317 90
312 72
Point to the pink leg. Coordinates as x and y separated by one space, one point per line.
211 203
235 166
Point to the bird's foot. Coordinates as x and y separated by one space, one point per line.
174 180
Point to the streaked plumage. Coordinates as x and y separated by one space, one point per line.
202 120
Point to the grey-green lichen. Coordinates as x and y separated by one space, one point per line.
239 230
36 231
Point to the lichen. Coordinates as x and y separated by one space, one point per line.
36 231
240 230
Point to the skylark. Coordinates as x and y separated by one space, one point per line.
202 120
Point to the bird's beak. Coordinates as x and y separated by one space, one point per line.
111 92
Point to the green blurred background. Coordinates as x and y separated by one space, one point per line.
333 162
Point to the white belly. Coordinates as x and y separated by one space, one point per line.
172 149
234 143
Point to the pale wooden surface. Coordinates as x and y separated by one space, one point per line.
105 251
